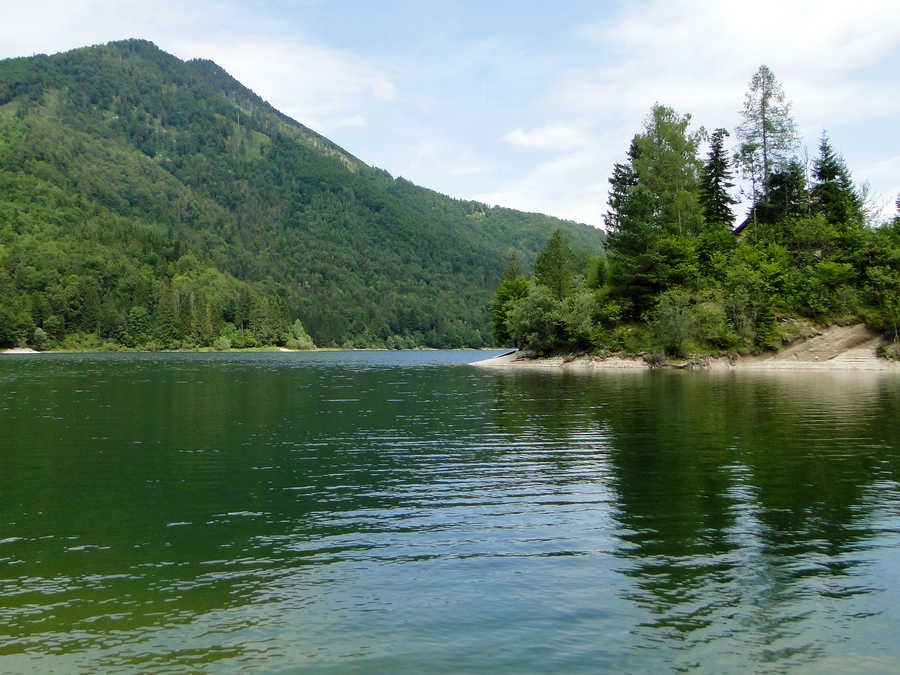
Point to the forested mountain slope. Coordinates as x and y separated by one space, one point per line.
135 187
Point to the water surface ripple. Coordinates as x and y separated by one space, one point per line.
406 512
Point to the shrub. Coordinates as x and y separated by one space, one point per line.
532 321
673 321
298 338
890 351
39 340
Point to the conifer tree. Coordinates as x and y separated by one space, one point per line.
553 266
622 180
513 287
715 181
167 317
665 162
786 194
768 135
833 194
512 268
633 252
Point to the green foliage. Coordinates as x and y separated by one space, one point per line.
767 135
890 351
676 288
298 338
510 291
222 343
672 320
786 195
553 266
129 178
40 340
833 194
534 320
595 276
633 253
622 180
715 182
665 163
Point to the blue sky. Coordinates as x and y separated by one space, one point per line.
523 104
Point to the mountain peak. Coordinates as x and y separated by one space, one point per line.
125 138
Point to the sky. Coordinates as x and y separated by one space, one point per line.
522 104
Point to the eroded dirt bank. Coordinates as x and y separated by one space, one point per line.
845 348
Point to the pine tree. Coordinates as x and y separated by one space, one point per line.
202 328
622 180
715 181
833 194
167 317
512 268
513 287
553 266
633 253
786 194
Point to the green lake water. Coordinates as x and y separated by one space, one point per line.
405 512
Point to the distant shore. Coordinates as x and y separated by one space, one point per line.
838 348
209 350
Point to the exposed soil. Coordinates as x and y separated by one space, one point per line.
835 348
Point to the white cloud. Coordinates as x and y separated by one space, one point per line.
703 53
551 137
698 56
826 36
434 158
557 188
324 88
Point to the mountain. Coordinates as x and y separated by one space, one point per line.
142 193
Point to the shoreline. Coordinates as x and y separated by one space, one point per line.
268 349
835 349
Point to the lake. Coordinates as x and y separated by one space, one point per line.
405 512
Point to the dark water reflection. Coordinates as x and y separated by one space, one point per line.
404 512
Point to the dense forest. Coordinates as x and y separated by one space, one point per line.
681 280
147 202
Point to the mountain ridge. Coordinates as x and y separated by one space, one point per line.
183 150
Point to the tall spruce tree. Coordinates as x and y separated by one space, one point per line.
622 180
715 181
768 135
553 266
786 194
833 194
633 251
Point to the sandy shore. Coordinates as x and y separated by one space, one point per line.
19 350
838 348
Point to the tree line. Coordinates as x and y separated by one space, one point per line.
680 278
144 159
